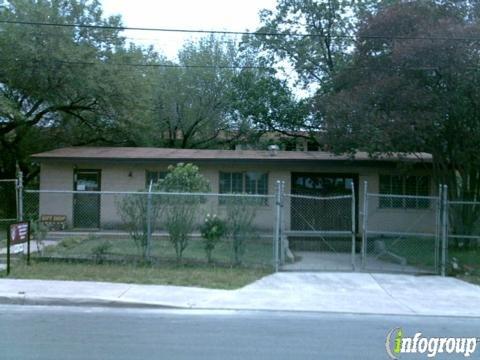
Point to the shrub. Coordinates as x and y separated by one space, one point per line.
240 216
100 251
133 210
179 210
212 230
39 233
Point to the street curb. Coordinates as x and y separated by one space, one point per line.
119 304
54 301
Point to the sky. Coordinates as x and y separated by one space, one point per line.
231 15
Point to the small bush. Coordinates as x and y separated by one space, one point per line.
240 217
100 251
212 231
180 211
133 210
70 243
39 233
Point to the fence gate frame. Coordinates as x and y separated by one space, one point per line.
440 234
281 233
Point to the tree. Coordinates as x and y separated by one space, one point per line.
179 211
191 97
217 93
315 58
65 83
265 103
415 88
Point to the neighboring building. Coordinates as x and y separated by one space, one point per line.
235 171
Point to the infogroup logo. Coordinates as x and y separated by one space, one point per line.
397 343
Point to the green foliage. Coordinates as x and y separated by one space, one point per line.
100 251
179 211
266 103
134 211
184 178
71 242
315 59
240 217
38 233
192 103
62 84
212 231
415 95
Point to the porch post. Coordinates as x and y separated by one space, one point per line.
364 223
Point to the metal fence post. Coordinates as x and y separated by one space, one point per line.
364 223
149 220
438 228
276 237
281 225
444 229
353 225
19 189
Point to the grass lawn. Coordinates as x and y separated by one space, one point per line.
419 252
469 263
3 234
258 252
199 276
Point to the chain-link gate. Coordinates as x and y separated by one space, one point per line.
318 233
401 233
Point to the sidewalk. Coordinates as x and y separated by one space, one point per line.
359 293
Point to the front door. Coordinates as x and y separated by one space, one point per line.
86 207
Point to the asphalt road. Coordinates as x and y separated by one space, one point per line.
28 332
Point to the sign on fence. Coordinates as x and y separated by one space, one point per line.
18 234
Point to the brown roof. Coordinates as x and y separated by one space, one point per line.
144 153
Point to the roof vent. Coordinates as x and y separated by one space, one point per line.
273 149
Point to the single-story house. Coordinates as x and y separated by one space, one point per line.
314 173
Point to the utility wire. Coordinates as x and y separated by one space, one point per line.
153 65
233 67
238 33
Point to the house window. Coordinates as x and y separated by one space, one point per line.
404 185
154 176
244 183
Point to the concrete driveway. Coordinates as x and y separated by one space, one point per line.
357 293
341 292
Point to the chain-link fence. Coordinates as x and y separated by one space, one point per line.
401 233
463 251
319 232
225 229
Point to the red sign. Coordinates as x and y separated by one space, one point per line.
19 233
